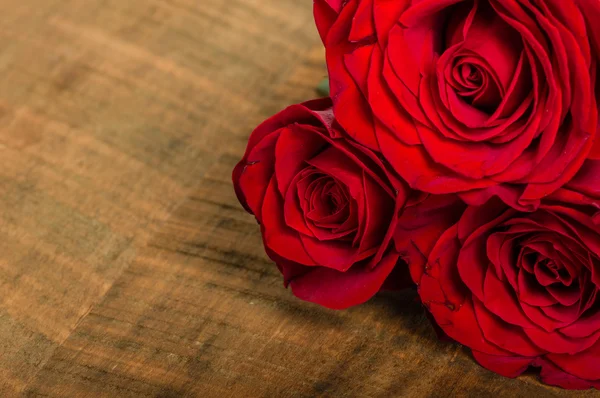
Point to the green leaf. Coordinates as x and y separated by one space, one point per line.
323 88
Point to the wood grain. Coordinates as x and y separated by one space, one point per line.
127 268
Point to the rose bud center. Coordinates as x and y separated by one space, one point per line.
550 272
484 60
329 210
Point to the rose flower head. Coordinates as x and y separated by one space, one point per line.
327 206
522 289
478 97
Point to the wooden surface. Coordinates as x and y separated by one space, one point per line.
127 268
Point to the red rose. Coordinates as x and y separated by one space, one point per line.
486 98
522 289
327 207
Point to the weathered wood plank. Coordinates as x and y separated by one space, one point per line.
110 112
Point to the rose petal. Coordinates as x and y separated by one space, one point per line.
340 290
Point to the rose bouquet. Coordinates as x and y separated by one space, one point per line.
457 153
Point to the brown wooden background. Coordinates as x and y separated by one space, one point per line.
127 268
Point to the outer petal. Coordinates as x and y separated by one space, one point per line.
553 375
340 290
326 12
584 365
507 366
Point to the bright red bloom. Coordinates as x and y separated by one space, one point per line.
327 206
484 98
520 289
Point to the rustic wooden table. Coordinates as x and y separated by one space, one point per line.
127 267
